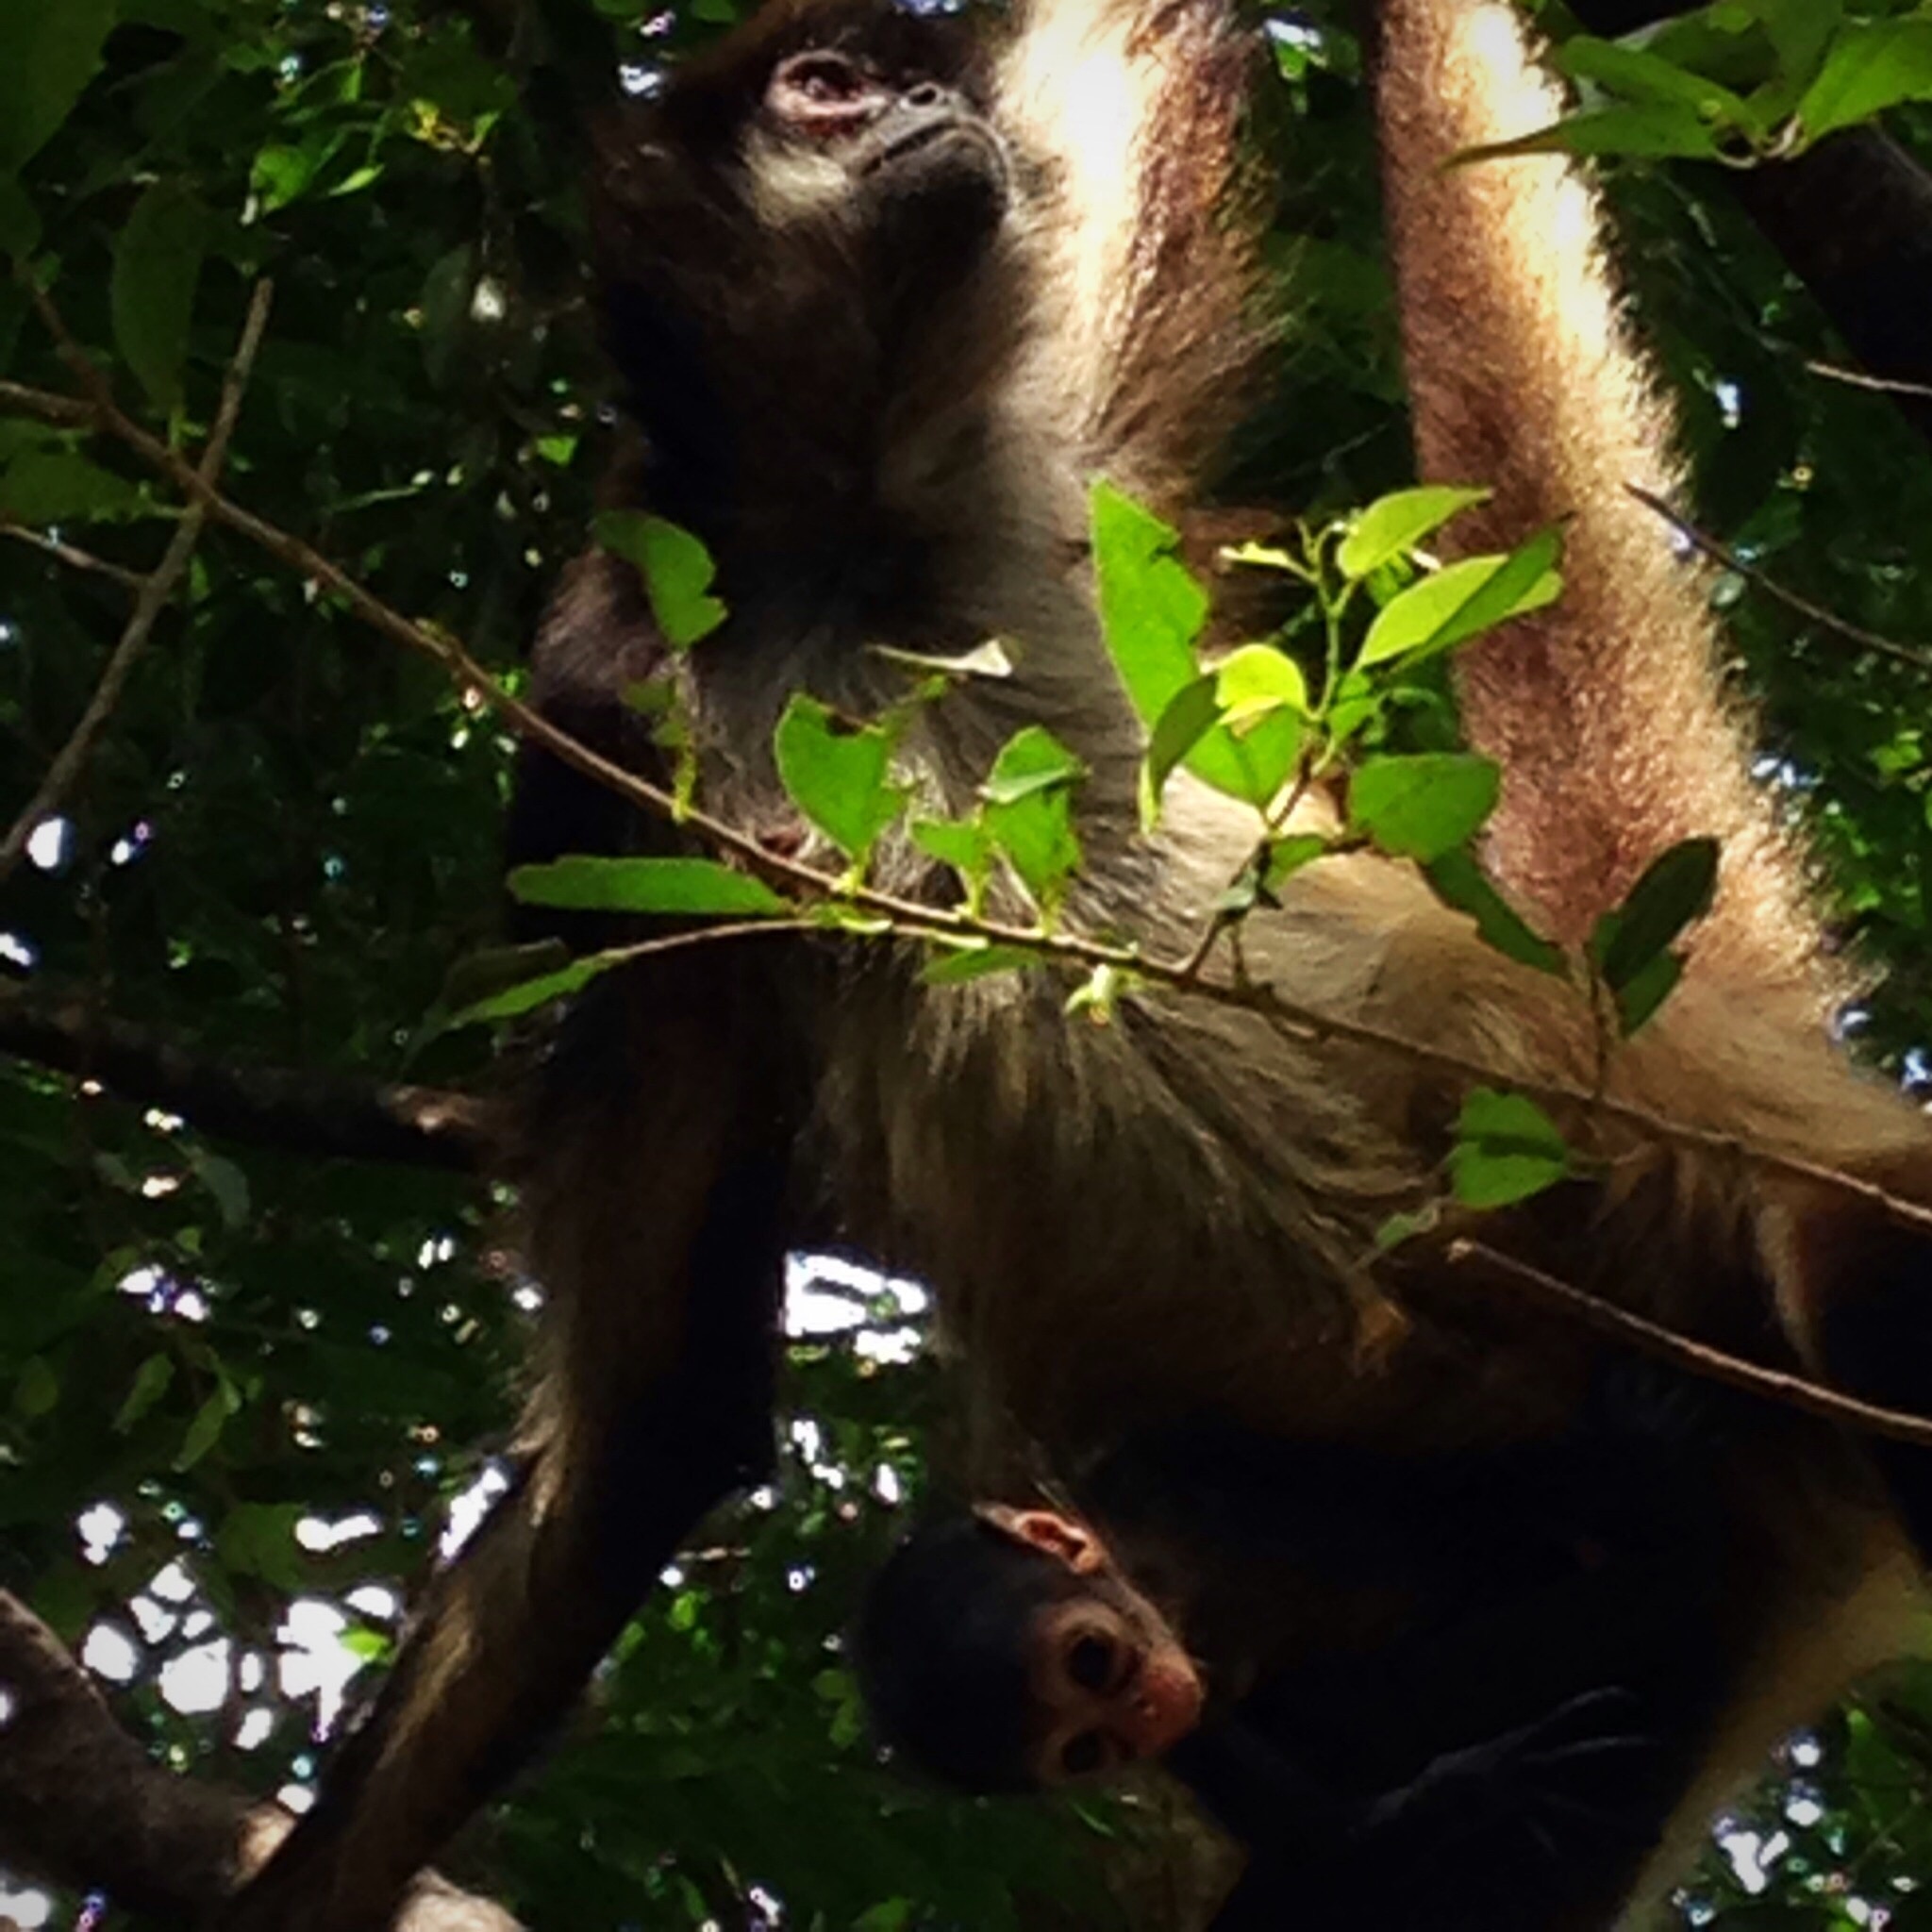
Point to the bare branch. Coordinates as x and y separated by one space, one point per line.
1916 656
83 1805
74 557
1857 379
298 1111
1572 1303
71 760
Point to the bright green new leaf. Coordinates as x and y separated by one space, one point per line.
1393 526
49 51
1506 1150
1870 67
677 569
1424 806
1462 600
840 776
1459 881
1257 680
157 268
687 886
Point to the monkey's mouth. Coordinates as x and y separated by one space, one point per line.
936 133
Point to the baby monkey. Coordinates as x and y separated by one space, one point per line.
1434 1693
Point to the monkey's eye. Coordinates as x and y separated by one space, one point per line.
1090 1662
824 79
1083 1755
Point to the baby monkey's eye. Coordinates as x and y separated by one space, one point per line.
1089 1663
1083 1755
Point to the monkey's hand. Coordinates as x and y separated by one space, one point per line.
1564 1782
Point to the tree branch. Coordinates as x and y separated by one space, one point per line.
156 590
83 1805
297 1111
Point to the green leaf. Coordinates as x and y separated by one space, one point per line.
259 1540
1150 608
965 844
1459 882
20 224
151 295
49 51
683 886
1255 681
1661 131
1036 834
1506 1150
39 487
1642 76
1871 66
955 962
514 1001
205 1431
840 776
1424 806
677 569
1033 759
1677 887
1192 711
150 1384
226 1182
1287 856
1461 600
1645 990
1393 526
37 1389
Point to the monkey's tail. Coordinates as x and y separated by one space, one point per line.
1607 711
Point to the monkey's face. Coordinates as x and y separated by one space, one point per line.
896 156
1108 1683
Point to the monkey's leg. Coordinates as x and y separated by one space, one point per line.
658 1236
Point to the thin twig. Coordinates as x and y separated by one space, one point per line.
156 590
1859 378
906 917
1699 1359
1919 658
70 555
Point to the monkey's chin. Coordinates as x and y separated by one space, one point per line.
944 184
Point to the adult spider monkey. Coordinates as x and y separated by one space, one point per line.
882 297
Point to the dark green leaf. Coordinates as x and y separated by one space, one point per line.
1677 888
1424 806
686 886
49 51
1459 882
157 268
1506 1150
150 1384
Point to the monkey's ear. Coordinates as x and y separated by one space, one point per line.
1065 1539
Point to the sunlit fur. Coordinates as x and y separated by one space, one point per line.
1176 1212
